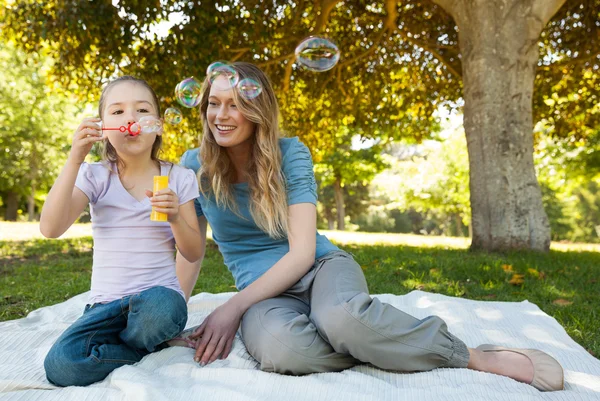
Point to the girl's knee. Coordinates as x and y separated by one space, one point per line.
63 370
149 326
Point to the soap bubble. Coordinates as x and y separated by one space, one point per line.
222 69
188 92
173 116
150 125
317 54
249 88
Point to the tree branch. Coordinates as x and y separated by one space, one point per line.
570 61
288 74
545 9
326 8
277 60
425 46
449 6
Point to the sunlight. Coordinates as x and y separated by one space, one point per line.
489 314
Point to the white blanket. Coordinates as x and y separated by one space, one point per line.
172 374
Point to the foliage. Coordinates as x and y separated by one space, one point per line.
399 59
35 124
429 179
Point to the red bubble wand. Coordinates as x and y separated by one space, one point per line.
132 128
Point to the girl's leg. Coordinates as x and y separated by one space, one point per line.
154 316
352 322
279 335
90 349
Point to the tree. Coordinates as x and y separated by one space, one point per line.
343 174
34 126
400 61
430 179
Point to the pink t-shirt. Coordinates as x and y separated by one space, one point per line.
131 252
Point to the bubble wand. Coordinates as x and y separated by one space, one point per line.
133 129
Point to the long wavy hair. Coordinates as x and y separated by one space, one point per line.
108 152
267 189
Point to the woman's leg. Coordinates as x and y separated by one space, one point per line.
279 335
90 349
154 316
375 332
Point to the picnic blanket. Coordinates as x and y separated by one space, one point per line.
172 374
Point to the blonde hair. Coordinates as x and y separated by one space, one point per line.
268 196
109 153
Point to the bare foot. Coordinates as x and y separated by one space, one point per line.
505 363
183 339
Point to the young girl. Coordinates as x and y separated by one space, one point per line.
136 301
303 304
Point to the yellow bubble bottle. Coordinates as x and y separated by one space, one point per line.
160 182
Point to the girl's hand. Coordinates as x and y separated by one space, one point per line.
85 136
165 201
216 334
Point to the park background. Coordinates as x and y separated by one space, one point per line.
468 131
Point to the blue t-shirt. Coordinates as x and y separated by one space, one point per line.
247 250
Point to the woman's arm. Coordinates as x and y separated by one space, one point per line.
218 330
292 266
187 272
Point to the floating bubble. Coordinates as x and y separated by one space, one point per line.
173 116
317 54
150 125
249 88
222 69
188 92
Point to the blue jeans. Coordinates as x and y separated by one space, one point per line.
114 334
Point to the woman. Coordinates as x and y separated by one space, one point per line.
303 304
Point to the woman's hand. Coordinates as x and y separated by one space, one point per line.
85 136
216 334
165 201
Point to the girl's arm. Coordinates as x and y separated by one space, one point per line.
65 202
218 330
187 272
184 223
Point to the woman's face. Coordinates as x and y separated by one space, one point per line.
228 125
127 102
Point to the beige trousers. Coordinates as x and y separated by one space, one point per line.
328 322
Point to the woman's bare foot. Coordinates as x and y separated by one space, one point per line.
505 363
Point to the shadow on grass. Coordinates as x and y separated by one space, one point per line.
37 273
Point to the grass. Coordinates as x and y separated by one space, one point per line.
37 272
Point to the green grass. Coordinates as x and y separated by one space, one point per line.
37 273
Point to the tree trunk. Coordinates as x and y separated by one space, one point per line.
499 48
339 203
31 204
459 225
329 216
12 205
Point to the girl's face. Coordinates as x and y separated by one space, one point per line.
127 102
227 124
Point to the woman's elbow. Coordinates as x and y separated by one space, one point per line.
306 256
